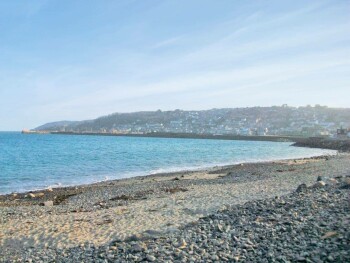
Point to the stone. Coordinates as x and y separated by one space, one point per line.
172 230
330 258
214 257
319 184
329 235
236 258
301 188
152 233
31 195
182 244
139 247
135 237
332 181
48 203
220 228
151 258
319 178
346 180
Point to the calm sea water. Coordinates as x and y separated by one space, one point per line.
29 162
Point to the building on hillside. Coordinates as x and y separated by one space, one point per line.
343 133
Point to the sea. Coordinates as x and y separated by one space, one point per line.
38 161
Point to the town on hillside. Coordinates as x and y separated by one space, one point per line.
277 120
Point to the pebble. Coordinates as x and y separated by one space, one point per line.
151 258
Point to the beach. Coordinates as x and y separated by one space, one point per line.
53 223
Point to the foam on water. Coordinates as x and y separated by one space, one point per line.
29 162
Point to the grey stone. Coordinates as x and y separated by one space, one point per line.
151 258
301 188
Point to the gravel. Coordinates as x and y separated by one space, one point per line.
308 225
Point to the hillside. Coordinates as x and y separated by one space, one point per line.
276 120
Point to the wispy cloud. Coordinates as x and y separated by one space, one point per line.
246 54
167 42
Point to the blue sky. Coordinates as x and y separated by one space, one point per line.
74 60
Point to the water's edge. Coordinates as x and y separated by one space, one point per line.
210 168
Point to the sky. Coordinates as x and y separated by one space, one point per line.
77 60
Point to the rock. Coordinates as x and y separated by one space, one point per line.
346 180
301 188
182 244
301 259
152 234
236 258
214 257
31 195
332 181
139 247
172 230
330 258
220 228
176 179
319 184
135 237
319 178
39 194
48 203
49 189
329 235
151 258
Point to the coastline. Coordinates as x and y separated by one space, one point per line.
55 223
333 145
150 206
175 173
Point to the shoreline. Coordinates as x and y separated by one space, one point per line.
178 172
147 208
335 145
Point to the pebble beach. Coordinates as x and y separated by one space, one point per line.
281 211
